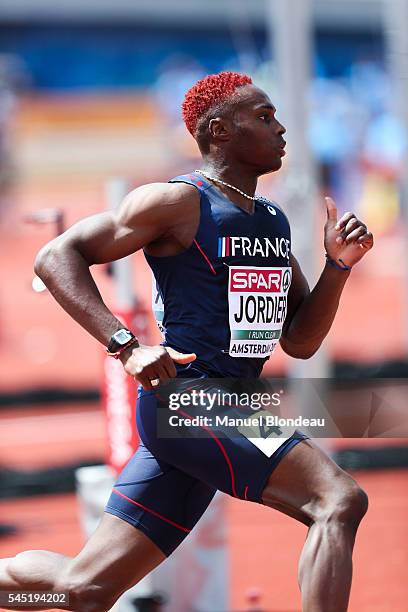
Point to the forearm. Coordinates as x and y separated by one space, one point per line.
315 315
66 274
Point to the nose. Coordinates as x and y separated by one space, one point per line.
281 129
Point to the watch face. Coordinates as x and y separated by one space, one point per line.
123 336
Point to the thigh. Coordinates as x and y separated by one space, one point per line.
305 477
158 499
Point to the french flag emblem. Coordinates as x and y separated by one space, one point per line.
224 246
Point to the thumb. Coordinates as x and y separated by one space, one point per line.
331 209
180 357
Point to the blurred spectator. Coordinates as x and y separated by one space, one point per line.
177 74
335 132
358 142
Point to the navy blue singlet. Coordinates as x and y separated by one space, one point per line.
225 298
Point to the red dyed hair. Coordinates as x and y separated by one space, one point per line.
208 92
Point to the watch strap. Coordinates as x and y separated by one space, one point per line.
123 348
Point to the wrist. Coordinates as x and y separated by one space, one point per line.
335 277
127 352
337 264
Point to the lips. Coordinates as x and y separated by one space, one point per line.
282 151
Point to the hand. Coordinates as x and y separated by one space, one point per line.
347 238
153 363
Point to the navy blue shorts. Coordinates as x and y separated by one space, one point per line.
169 482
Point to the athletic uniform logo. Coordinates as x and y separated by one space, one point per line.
271 210
286 280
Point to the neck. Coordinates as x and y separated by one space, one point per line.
235 175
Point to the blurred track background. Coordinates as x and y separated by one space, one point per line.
91 90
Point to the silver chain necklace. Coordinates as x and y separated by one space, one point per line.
211 178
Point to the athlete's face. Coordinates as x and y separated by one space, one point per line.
257 136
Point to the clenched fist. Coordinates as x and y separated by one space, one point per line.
153 363
347 239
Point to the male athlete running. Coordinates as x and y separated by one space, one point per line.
203 235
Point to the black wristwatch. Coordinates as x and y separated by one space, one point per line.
120 340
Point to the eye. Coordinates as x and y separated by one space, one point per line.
266 117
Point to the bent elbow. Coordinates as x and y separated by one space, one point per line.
302 354
42 260
47 260
306 354
299 351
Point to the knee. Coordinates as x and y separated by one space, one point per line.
354 505
348 507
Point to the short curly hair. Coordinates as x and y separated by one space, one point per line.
207 93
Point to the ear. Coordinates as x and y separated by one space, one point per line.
219 129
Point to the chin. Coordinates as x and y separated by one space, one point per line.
277 165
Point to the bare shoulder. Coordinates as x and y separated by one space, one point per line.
160 201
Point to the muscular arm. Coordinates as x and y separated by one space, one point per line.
311 313
146 214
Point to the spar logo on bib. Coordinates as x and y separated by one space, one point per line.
257 303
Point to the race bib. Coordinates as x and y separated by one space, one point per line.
157 305
257 303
